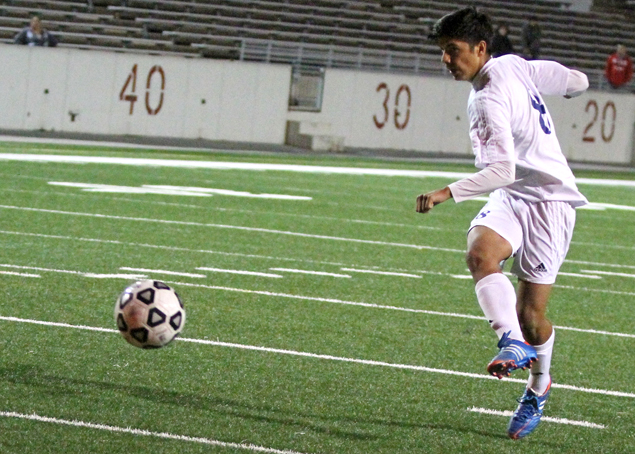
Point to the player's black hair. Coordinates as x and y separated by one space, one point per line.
466 24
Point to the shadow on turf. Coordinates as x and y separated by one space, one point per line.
54 385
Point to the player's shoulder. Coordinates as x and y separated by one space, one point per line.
500 72
506 63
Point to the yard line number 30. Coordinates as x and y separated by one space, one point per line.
401 110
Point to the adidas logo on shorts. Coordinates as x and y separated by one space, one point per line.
540 268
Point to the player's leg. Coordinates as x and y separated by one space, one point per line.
532 308
537 329
486 249
497 298
494 236
532 311
548 228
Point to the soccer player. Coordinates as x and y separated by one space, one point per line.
530 214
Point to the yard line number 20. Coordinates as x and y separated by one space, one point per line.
129 90
607 121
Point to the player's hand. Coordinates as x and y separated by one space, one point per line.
425 202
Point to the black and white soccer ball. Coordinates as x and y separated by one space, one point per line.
149 314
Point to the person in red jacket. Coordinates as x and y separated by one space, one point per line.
619 68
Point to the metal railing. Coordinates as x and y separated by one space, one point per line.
332 56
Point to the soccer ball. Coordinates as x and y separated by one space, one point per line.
149 314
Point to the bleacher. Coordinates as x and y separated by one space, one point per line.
368 34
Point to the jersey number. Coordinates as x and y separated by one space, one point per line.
537 104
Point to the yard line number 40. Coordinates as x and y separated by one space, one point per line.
156 78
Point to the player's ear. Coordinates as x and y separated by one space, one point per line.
481 48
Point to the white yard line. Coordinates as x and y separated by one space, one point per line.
226 165
13 273
312 298
608 273
603 245
609 265
114 189
594 331
37 268
290 259
304 298
251 212
508 414
456 276
115 276
147 433
316 273
604 206
378 306
220 165
326 300
172 190
170 273
596 290
229 192
231 227
167 248
384 273
58 324
335 358
583 276
77 273
243 272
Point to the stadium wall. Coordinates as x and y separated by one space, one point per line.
100 92
379 110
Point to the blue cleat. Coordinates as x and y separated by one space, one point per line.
528 414
513 354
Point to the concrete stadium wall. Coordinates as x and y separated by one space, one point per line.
75 90
377 110
115 93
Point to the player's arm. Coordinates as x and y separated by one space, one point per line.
493 144
492 177
425 202
577 83
552 78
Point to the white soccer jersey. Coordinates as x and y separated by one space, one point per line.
509 121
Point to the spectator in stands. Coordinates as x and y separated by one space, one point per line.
35 35
531 39
619 68
501 44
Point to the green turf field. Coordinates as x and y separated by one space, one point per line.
334 321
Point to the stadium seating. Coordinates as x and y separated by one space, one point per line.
370 34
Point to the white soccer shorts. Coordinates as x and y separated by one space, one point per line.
539 233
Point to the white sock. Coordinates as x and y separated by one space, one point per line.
497 298
539 377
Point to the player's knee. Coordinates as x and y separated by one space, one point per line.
530 315
532 323
526 316
478 262
472 260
